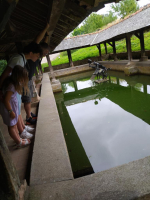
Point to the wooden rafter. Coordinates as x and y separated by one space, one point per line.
6 9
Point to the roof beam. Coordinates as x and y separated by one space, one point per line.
6 9
56 11
75 9
12 40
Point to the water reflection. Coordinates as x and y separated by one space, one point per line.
124 83
109 135
68 87
111 120
84 84
113 80
139 87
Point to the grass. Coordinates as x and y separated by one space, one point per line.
80 54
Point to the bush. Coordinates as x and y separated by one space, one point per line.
3 64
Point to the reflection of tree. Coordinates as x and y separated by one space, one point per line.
64 87
71 84
139 87
101 91
121 80
113 79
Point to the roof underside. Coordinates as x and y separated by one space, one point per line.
133 23
21 20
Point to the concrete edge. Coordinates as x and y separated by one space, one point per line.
50 160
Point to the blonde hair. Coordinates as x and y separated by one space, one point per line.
19 78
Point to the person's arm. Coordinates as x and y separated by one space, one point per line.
5 74
7 103
41 34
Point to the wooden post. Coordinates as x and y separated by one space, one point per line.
51 69
142 43
105 47
145 89
114 51
143 57
75 86
128 44
70 58
40 68
9 179
99 49
117 81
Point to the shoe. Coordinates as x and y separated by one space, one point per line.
21 145
30 121
34 116
26 135
29 129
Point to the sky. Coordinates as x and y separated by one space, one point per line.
107 7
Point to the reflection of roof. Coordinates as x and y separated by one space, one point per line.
134 22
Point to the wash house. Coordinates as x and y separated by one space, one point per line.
43 171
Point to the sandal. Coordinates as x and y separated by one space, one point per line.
21 145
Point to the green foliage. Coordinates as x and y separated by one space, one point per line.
3 64
125 7
78 31
93 23
108 18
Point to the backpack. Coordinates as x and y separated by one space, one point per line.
26 65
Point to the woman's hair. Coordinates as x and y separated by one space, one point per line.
19 78
32 47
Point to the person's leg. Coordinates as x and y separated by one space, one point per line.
20 124
27 107
26 99
13 134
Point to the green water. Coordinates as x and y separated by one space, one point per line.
107 124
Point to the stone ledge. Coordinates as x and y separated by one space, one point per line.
126 182
50 161
143 67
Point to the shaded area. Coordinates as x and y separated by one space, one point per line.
78 158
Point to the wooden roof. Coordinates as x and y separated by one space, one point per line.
22 20
133 23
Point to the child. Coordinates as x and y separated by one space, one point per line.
9 104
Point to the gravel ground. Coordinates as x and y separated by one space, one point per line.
52 57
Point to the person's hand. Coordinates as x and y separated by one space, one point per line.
12 115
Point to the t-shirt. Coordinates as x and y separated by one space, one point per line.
17 59
32 66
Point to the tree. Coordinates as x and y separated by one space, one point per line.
78 31
125 7
94 22
108 18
